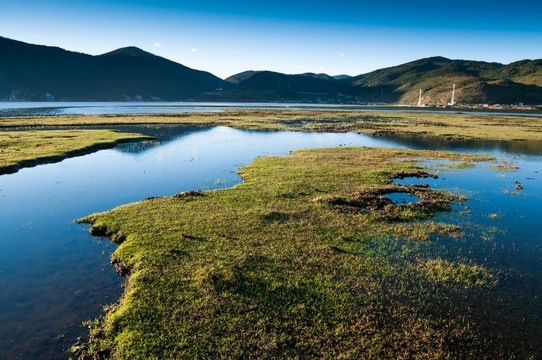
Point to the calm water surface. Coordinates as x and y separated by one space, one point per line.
54 275
102 108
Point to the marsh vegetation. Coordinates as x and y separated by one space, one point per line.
348 252
306 259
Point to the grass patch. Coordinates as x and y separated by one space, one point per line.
29 148
272 268
504 167
465 274
457 165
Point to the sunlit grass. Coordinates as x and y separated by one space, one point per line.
271 269
465 274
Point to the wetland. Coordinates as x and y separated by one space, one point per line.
307 257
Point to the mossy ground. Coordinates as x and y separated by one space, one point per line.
268 270
28 148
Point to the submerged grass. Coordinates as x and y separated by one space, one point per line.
465 274
458 165
272 269
28 148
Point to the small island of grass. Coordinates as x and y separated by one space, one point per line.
302 260
28 148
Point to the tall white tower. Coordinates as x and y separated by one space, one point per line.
453 96
420 98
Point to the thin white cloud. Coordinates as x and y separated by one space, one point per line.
157 45
321 68
193 50
341 55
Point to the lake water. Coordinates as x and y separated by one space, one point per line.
54 275
8 109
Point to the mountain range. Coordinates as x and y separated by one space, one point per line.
35 72
41 73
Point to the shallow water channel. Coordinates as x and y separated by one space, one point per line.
54 275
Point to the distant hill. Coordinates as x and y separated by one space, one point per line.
245 75
318 76
242 76
35 72
274 86
476 82
341 77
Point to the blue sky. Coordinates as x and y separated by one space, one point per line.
335 37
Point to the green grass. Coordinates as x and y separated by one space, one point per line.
466 274
272 268
458 166
464 125
28 148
